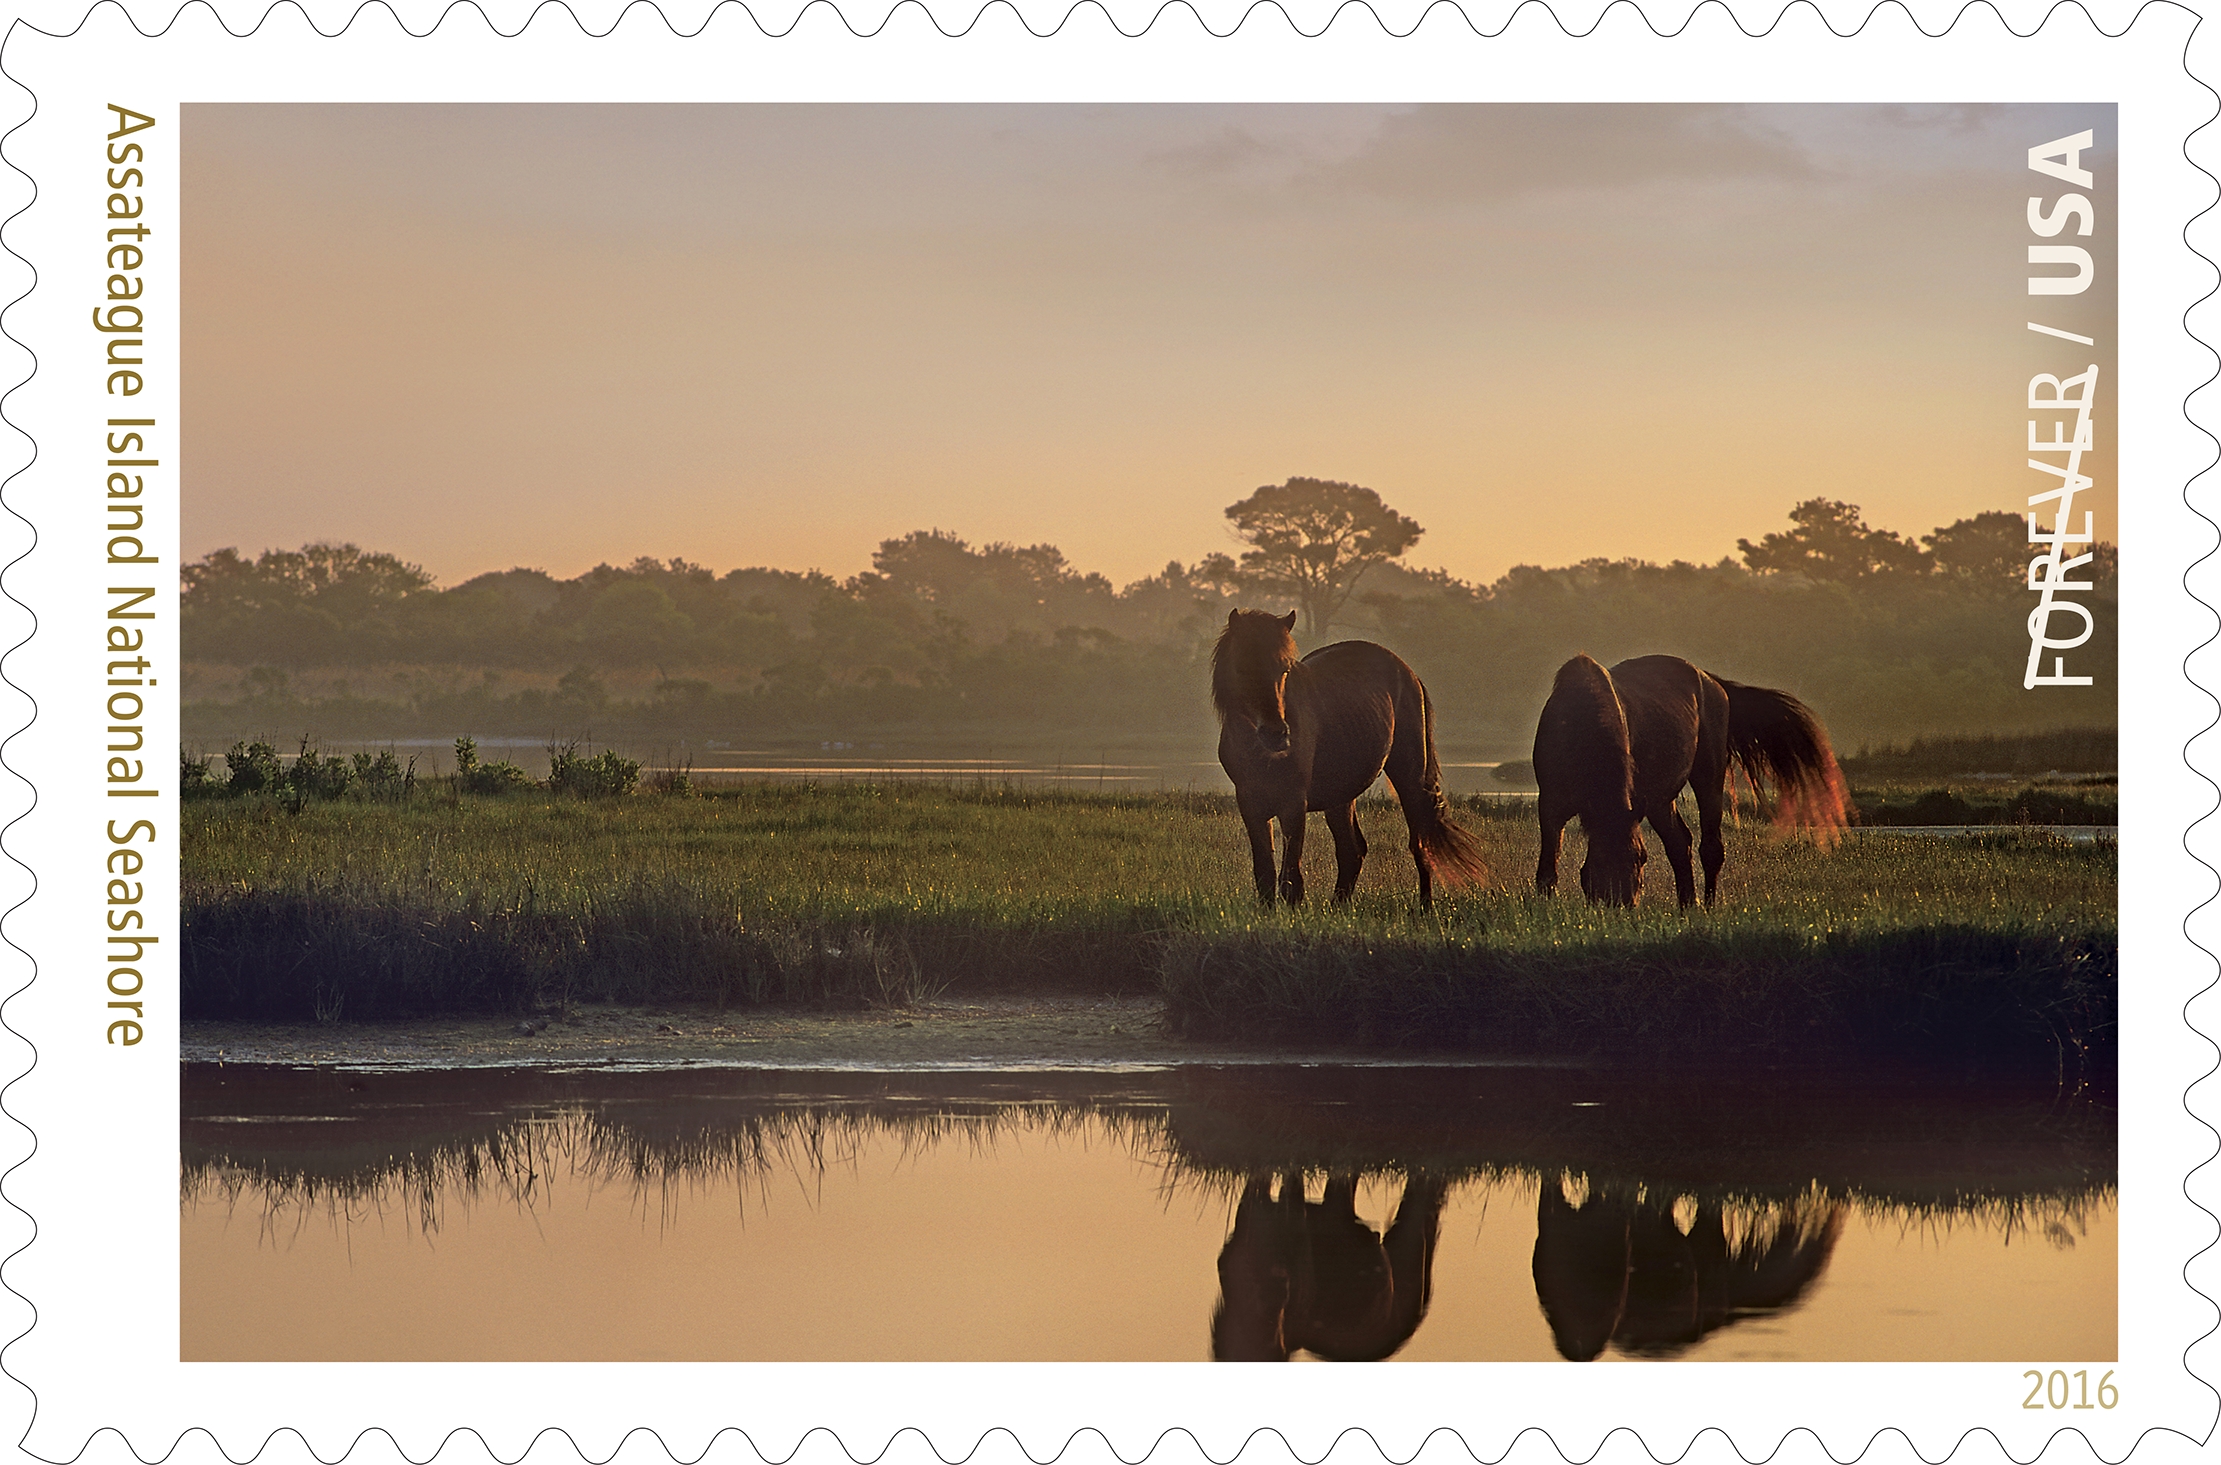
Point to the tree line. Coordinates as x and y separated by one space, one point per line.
1888 635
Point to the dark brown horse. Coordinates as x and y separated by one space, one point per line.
1314 734
1617 747
1298 1275
1618 1271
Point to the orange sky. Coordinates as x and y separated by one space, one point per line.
482 336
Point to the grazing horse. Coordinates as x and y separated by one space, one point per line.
1297 1275
1623 1271
1314 734
1615 747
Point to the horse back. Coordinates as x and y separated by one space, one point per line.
1676 718
1359 664
1581 750
1361 698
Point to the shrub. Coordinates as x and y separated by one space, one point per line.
2049 806
1941 806
253 768
313 776
473 777
605 775
383 777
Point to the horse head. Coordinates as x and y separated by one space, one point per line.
1249 673
1585 764
1612 871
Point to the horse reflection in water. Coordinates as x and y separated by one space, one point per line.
1298 1274
1620 1271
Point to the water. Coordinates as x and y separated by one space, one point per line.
1418 1213
861 760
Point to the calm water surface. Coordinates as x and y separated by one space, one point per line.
1406 1212
859 760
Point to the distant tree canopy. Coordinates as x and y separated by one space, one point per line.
926 594
1831 543
302 606
1312 539
1993 549
1887 636
995 589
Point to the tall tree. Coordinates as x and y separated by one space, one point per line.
1832 542
1991 551
1311 539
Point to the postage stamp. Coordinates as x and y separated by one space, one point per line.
771 729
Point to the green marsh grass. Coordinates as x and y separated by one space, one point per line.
859 893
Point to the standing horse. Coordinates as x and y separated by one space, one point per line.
1314 734
1616 748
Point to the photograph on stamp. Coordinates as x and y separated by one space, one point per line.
756 680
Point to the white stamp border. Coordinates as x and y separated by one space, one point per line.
102 1272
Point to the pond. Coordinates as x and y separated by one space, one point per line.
1233 1211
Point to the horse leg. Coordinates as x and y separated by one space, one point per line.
1710 848
1673 832
1409 1245
1708 780
1349 849
1425 867
1419 859
1291 855
1553 817
1258 824
1406 767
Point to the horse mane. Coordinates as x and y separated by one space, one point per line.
1245 626
1592 728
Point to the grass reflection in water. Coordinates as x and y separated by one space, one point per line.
1664 1210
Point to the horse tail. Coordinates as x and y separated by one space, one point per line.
1454 854
1775 736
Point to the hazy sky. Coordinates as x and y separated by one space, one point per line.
485 336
